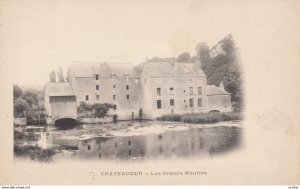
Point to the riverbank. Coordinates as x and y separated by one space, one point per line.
66 143
210 117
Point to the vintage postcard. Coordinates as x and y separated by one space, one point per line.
149 92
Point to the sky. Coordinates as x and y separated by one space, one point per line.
40 36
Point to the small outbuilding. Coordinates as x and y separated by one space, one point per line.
60 103
218 99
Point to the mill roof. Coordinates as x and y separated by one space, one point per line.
213 90
59 89
173 69
104 69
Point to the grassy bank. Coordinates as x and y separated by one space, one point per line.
34 153
211 117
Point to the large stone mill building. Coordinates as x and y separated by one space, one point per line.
151 89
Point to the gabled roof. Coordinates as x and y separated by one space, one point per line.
59 89
173 69
213 90
89 69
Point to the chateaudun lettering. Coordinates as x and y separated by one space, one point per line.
121 173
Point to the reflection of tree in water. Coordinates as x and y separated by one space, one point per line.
193 142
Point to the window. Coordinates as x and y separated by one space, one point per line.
171 91
86 97
191 90
127 97
158 104
191 102
115 107
199 102
127 87
97 97
114 86
97 87
158 92
171 102
184 91
114 97
199 91
97 76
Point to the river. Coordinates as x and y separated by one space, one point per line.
135 141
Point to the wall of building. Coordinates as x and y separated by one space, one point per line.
180 95
220 103
111 90
63 107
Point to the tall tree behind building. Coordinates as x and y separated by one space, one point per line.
52 76
220 63
60 75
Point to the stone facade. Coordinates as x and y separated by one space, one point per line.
172 88
60 102
107 83
150 90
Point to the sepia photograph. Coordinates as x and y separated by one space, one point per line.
163 107
149 92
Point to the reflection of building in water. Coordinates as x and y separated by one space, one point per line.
194 142
42 138
150 90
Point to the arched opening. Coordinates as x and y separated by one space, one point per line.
65 123
214 111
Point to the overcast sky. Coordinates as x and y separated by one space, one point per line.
40 36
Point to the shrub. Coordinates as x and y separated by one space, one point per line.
34 153
202 118
230 116
170 117
210 117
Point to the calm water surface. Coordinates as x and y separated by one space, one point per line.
97 142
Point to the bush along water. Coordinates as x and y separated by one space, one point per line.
34 153
210 117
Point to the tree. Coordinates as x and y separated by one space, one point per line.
68 75
233 84
223 67
31 98
52 76
20 106
228 44
100 110
17 91
60 75
203 52
184 57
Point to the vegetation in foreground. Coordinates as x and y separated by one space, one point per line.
34 153
210 117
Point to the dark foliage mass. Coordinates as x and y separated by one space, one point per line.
27 99
221 64
95 110
210 117
34 153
